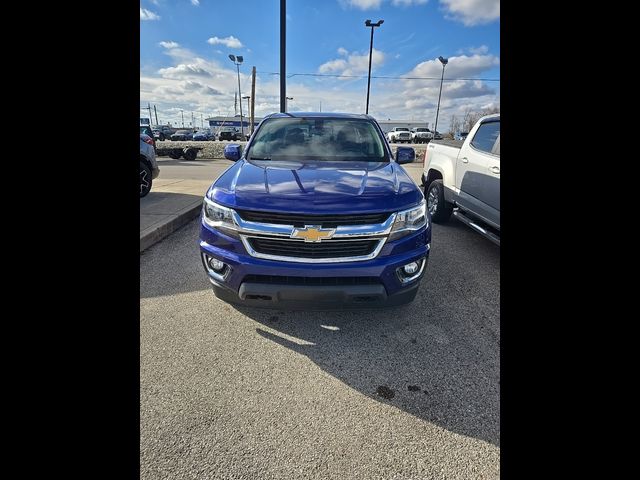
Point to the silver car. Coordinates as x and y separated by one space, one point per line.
148 165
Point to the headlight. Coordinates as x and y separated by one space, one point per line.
217 216
409 221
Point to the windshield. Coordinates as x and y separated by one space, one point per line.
317 139
402 129
422 129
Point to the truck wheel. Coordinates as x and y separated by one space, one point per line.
190 154
439 209
174 155
145 179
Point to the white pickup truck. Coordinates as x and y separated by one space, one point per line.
399 135
421 135
463 178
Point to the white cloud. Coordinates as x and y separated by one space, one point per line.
229 42
195 2
148 14
354 63
408 3
472 12
207 85
481 50
169 45
361 4
181 71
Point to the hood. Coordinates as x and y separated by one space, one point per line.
315 187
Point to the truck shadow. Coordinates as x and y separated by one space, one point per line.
437 358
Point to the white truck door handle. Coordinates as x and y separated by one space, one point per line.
464 160
495 169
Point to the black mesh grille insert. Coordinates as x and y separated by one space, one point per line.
300 220
301 249
323 281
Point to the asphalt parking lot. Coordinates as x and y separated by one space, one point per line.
404 393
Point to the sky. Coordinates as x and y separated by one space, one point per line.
184 64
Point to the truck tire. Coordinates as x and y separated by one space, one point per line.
174 155
145 179
190 154
439 209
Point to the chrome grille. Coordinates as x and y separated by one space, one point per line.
300 220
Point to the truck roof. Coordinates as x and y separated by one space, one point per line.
361 116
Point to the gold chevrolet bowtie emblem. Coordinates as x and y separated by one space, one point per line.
313 233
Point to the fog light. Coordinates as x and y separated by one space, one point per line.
411 268
216 264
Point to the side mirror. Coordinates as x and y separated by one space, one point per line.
405 155
232 152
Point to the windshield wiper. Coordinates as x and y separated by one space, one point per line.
259 158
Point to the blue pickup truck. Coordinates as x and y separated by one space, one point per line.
316 213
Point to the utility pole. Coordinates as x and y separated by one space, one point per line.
150 117
253 97
182 113
320 105
156 112
249 107
192 121
202 120
283 58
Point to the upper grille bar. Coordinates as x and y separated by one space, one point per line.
300 220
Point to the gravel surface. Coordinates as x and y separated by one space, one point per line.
240 393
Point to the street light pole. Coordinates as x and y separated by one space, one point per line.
182 113
444 62
237 60
372 25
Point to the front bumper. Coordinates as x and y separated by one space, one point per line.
387 290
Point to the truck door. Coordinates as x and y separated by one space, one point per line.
478 172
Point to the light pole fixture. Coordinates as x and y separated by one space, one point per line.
237 60
444 62
286 108
372 25
248 97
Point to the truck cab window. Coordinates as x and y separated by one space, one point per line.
486 136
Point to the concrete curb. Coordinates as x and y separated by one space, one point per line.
155 233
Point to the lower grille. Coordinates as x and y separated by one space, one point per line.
301 249
311 281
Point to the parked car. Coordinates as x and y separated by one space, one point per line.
437 136
465 180
163 132
315 213
182 135
203 135
399 135
146 130
229 133
148 165
421 135
460 135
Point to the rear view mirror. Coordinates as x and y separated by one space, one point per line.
232 152
405 155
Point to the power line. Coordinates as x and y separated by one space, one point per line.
380 76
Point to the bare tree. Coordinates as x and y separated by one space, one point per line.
454 126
